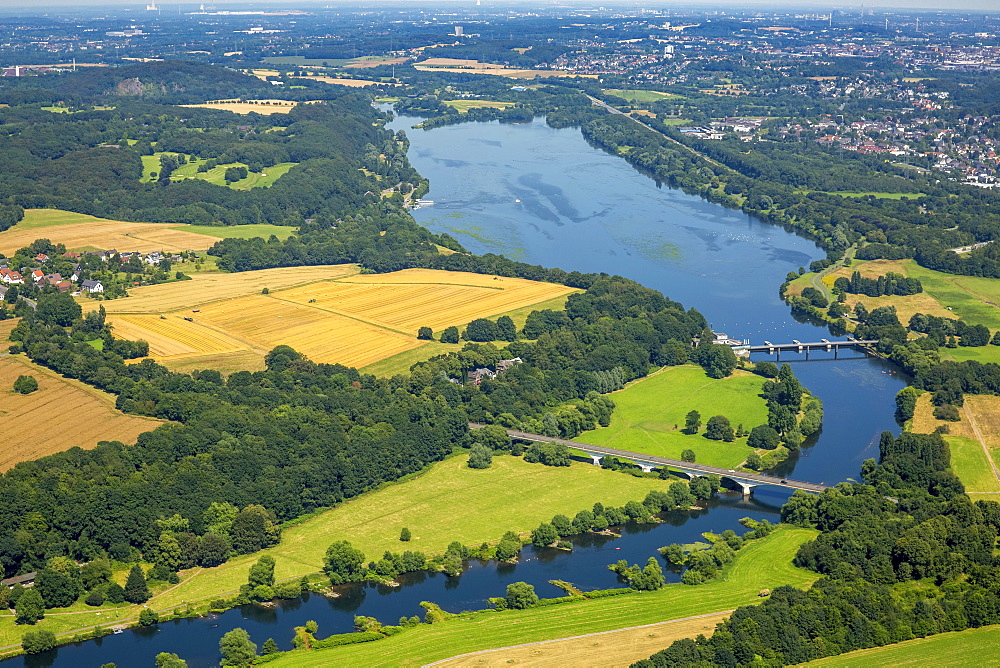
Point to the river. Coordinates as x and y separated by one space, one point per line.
545 196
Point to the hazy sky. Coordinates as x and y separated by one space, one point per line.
952 5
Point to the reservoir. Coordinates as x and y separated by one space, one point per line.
544 196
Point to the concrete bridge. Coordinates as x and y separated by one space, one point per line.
747 481
800 347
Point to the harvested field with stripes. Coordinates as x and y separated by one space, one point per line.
206 288
330 314
61 414
415 298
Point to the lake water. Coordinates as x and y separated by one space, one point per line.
546 197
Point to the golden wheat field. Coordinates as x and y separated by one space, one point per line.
264 107
415 298
105 234
61 414
330 314
212 287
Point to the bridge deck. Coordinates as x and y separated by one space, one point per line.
813 345
757 478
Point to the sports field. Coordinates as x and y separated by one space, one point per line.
77 230
638 95
972 647
649 414
330 314
61 414
763 564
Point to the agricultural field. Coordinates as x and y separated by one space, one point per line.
974 441
972 647
463 106
330 314
608 649
61 414
649 414
264 107
79 231
341 81
476 67
644 96
413 298
762 564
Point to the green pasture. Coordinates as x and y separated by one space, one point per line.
39 218
970 464
649 414
763 564
511 495
638 95
972 647
262 230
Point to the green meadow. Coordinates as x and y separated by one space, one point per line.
972 647
216 175
649 414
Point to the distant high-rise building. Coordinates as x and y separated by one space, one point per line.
151 7
459 31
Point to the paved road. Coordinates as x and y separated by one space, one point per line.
757 478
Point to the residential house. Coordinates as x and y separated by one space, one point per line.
503 365
11 277
92 286
476 377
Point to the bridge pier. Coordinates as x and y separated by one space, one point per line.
747 487
646 468
597 459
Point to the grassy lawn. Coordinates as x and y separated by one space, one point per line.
262 230
971 647
877 195
642 95
463 106
762 564
649 414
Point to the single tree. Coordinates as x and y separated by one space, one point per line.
692 422
506 330
30 607
763 436
404 535
25 384
237 648
262 573
425 333
449 335
544 535
755 462
521 595
136 590
688 455
270 647
719 429
480 457
343 563
148 617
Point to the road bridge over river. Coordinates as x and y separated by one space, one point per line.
747 481
800 347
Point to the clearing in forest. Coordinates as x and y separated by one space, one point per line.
265 107
61 414
78 231
330 314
